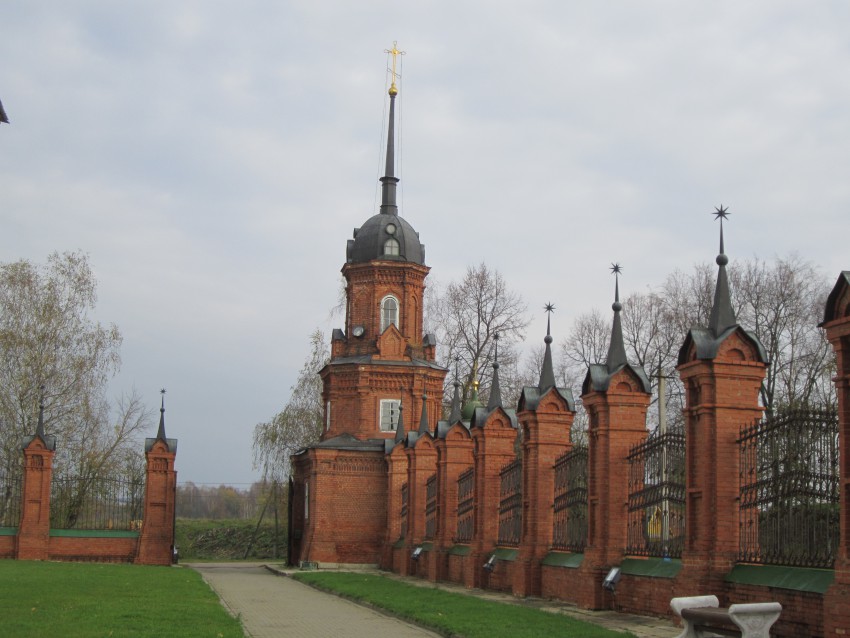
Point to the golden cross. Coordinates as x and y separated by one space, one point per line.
395 53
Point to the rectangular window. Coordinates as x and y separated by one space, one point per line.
306 501
389 414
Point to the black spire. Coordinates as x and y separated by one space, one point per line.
399 431
455 415
495 400
423 421
547 373
722 313
160 434
389 181
39 430
3 116
616 349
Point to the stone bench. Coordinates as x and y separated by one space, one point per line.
702 616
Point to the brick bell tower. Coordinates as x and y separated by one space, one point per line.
379 362
382 358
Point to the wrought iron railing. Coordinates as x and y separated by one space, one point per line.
465 506
569 532
510 504
405 500
789 498
10 501
431 507
96 503
656 519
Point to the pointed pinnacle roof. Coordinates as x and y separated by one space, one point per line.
722 313
399 430
616 349
423 421
454 415
389 181
39 430
495 400
547 372
160 434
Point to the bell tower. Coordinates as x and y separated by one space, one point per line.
382 359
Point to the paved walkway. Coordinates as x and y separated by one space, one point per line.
270 605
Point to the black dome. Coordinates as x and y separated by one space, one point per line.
370 240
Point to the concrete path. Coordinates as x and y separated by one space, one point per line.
273 607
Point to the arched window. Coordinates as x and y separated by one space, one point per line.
389 312
391 247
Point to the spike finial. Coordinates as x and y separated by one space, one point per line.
547 372
39 430
399 430
721 213
423 421
495 400
389 181
160 435
617 348
722 314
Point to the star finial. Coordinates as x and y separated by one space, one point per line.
616 270
721 213
549 308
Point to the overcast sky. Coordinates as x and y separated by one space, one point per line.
212 159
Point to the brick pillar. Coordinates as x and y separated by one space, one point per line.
493 448
34 530
396 476
422 463
545 437
454 456
156 541
721 396
617 416
836 604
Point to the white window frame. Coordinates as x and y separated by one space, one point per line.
388 404
392 247
386 324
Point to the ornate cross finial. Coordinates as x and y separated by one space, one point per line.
549 308
395 53
721 213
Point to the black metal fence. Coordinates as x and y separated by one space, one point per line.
405 501
10 501
510 504
789 505
465 506
431 507
99 503
569 531
656 519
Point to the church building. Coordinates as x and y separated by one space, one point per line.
382 365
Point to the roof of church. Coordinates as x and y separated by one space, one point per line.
348 442
370 240
364 359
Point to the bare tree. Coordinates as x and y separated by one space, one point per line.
299 424
52 352
468 315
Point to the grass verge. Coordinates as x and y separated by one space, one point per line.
453 614
85 599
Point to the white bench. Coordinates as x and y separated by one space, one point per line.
702 616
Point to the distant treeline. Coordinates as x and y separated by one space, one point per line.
227 502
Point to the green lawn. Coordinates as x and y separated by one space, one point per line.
453 614
88 600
